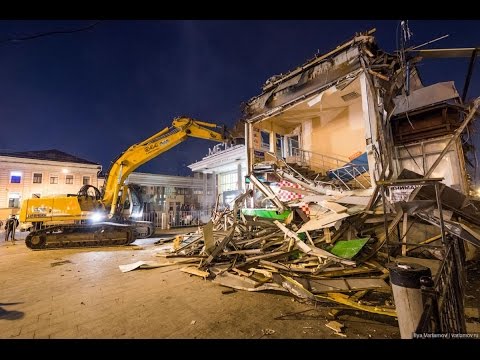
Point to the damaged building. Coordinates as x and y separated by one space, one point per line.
349 118
353 164
340 124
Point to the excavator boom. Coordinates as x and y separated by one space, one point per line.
140 153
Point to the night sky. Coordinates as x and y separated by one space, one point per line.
96 92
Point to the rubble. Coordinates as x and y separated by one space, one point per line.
332 254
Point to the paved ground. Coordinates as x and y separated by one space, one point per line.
81 293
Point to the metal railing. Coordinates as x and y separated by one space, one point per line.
339 168
356 173
444 297
169 219
316 161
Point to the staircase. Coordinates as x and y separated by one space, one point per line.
324 170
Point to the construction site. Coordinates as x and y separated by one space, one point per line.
357 218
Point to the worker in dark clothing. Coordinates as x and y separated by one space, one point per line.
10 227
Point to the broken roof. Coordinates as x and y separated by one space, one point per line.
50 155
309 78
426 96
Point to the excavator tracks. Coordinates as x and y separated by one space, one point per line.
82 235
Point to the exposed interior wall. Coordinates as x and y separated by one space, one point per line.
340 133
420 156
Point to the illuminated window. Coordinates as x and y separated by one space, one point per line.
37 178
86 180
69 179
53 179
15 177
227 182
14 200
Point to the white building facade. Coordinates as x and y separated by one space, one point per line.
227 165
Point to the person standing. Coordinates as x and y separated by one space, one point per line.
10 227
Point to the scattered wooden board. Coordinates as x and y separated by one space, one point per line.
333 206
321 223
243 283
208 237
195 271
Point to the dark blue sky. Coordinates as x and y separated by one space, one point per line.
95 93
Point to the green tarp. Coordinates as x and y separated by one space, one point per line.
266 213
347 249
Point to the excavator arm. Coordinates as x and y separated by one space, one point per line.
140 153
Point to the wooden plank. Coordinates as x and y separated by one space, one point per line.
296 190
265 256
264 272
324 221
195 271
377 74
318 198
220 247
312 250
309 238
353 200
243 252
293 286
208 237
241 272
328 236
243 283
428 241
333 206
346 285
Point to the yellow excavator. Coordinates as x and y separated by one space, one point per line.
97 218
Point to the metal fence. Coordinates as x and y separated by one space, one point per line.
444 296
169 219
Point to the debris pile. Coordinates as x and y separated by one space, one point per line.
262 250
337 253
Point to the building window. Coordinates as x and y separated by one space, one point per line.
15 177
69 179
86 180
198 192
170 190
279 145
53 179
37 178
265 136
14 200
227 182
